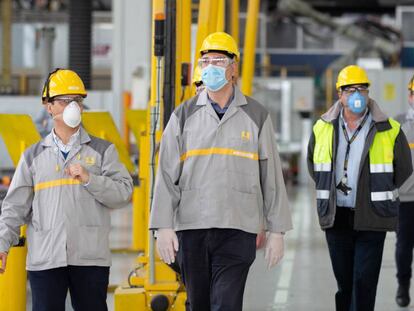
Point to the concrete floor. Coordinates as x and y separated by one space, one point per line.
302 281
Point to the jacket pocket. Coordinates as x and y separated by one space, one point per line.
93 242
91 212
322 206
245 209
386 208
244 182
39 246
190 207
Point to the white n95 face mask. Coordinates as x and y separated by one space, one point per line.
72 114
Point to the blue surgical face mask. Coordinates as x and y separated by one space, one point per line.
214 77
357 103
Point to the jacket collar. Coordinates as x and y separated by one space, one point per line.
83 136
376 112
238 98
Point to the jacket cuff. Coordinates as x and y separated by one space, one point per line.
3 247
90 184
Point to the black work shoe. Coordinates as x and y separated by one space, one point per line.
403 296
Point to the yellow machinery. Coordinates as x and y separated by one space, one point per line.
152 285
100 124
18 133
137 122
250 47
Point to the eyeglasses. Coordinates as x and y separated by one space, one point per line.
217 61
68 100
352 89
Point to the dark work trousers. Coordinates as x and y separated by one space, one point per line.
405 242
87 285
214 264
356 258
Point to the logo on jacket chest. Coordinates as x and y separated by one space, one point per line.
90 160
245 136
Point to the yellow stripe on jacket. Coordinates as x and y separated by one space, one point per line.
220 151
56 183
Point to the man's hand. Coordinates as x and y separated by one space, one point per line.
260 239
167 244
78 172
274 249
3 261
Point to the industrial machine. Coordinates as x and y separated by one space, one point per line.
372 38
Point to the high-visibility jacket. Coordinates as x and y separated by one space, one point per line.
384 194
385 165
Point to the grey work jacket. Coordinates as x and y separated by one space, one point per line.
68 223
216 173
407 125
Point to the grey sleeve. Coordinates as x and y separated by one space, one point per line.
167 192
114 187
403 166
400 118
311 146
16 207
276 206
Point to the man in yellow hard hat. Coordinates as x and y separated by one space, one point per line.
358 157
63 189
405 231
219 182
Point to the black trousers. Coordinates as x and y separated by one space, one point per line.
405 242
356 258
87 285
214 264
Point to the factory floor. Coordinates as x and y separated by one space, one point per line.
302 281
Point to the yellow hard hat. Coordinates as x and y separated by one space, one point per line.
411 84
222 42
352 75
197 75
63 82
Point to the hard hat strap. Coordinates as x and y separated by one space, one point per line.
46 87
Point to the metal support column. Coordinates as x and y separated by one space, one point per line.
249 51
46 36
203 26
184 17
234 19
80 39
6 16
221 10
213 16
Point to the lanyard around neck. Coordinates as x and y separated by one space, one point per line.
349 142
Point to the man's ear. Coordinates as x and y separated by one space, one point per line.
48 107
233 71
